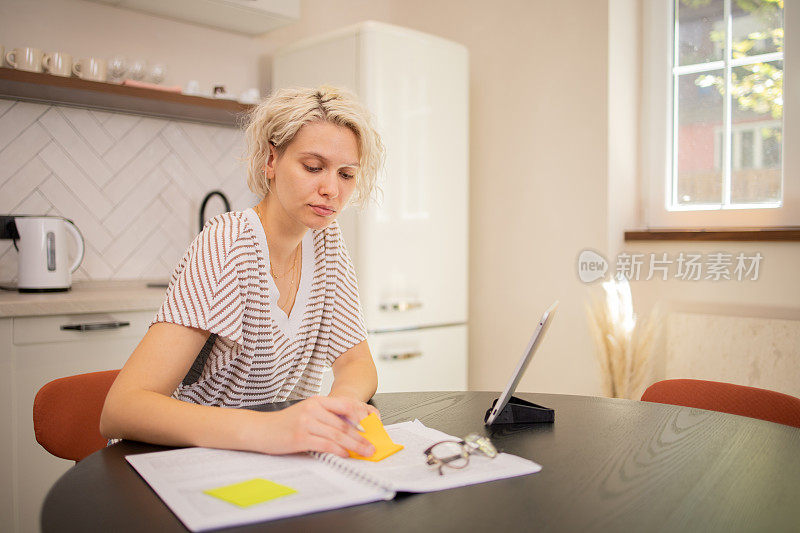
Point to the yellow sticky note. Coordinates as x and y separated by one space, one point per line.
250 492
376 434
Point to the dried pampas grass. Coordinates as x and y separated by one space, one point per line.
623 347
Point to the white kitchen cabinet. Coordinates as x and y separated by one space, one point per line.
6 421
35 350
422 357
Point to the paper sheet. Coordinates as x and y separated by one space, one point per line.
181 476
406 470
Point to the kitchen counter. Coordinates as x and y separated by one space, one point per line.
84 297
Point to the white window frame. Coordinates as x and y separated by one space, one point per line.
657 116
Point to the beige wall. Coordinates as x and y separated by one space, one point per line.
554 109
538 130
555 135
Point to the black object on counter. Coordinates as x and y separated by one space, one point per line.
519 411
8 229
205 201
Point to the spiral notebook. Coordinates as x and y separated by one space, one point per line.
209 488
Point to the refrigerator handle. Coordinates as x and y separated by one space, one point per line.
399 356
401 305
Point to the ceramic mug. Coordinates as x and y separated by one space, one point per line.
58 64
90 68
27 58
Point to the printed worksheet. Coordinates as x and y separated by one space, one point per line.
208 488
407 471
180 477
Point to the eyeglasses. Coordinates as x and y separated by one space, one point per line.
455 453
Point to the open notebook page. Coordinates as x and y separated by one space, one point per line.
179 477
406 470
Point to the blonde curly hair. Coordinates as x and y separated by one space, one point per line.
279 117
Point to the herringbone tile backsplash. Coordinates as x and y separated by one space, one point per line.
133 185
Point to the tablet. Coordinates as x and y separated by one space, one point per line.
536 339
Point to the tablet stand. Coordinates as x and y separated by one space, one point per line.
519 411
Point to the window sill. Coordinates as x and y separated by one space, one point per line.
785 233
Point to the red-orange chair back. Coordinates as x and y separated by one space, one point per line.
727 398
66 414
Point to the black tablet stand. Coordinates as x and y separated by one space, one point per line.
518 411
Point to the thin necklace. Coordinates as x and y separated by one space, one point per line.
294 258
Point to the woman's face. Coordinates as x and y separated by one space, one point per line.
314 177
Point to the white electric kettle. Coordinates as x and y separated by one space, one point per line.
43 253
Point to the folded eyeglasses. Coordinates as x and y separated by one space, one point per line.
455 453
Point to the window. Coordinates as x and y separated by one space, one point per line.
714 118
728 91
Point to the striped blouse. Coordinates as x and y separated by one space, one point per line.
222 285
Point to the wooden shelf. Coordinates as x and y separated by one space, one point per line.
48 89
787 233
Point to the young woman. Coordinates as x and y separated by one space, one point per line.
265 299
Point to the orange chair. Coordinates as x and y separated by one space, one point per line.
727 398
66 414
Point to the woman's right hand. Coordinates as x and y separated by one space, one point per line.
320 423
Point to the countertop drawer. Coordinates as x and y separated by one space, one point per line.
80 327
426 359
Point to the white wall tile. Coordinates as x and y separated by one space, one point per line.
136 170
17 118
179 173
88 127
229 137
80 185
94 265
102 117
151 249
153 172
8 266
5 105
170 256
202 137
190 156
20 150
118 124
34 204
75 146
156 270
132 142
138 228
16 189
137 201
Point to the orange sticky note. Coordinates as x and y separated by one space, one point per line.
376 434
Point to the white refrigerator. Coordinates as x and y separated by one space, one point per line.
409 249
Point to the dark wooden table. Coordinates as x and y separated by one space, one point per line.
608 465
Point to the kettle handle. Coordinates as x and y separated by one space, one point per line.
76 234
